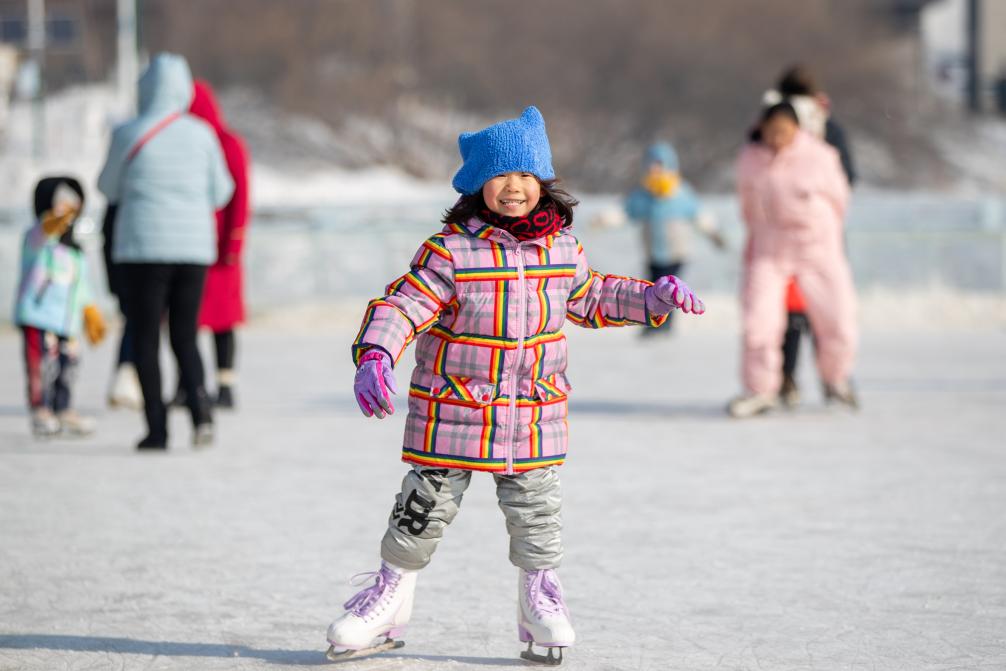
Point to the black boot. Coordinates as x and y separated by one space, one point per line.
180 399
156 415
225 397
152 442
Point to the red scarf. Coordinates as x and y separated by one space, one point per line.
539 222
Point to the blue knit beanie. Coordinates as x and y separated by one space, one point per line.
514 145
662 153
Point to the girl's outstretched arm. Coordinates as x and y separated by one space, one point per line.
411 304
607 300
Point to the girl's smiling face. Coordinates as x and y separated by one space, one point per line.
513 194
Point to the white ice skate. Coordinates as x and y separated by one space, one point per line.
375 617
77 426
125 391
749 405
44 423
542 616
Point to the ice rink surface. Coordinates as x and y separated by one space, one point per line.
816 539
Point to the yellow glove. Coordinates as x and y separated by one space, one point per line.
661 183
56 223
94 324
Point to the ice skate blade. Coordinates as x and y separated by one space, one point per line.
537 658
365 652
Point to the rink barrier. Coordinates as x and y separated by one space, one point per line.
896 241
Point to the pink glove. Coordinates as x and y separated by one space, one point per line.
373 381
669 293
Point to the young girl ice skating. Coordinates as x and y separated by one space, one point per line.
485 301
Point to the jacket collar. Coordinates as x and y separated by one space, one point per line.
477 228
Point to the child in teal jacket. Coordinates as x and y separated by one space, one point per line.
666 208
54 304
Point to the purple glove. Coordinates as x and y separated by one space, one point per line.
373 381
669 293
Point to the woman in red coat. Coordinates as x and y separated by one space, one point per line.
223 298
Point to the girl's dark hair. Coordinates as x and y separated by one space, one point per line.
797 81
45 191
779 109
469 206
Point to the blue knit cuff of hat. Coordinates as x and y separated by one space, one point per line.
662 153
514 145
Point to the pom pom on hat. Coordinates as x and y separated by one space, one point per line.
514 145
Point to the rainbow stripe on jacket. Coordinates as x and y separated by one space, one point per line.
489 390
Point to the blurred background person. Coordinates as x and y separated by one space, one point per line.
167 173
223 297
666 208
54 304
125 388
813 108
8 70
799 88
793 196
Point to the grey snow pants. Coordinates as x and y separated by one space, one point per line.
430 500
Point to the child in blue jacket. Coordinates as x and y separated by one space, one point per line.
666 208
53 305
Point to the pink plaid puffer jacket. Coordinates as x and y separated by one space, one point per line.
489 389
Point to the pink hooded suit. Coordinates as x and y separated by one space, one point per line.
793 203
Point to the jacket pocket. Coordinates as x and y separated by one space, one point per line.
464 390
552 387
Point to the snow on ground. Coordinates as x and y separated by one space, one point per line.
817 539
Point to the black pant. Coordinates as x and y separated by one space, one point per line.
126 353
178 289
658 270
796 325
117 282
224 343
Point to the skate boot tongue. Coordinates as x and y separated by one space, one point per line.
545 592
361 602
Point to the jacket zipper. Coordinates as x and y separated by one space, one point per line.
518 359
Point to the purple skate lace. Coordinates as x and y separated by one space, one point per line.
544 592
361 603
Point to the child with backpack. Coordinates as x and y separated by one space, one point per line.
54 304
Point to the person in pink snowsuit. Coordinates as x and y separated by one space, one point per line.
793 196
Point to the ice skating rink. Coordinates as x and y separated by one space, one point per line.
817 539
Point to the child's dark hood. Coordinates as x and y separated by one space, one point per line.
45 193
